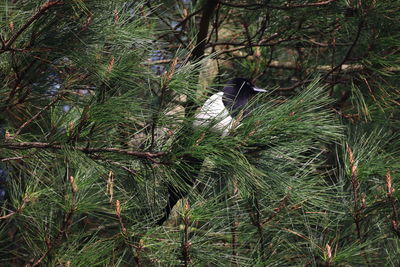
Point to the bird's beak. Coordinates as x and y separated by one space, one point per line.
259 90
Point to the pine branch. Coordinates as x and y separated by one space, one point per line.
392 200
43 8
138 246
289 65
355 186
277 210
255 217
121 223
329 260
346 57
235 225
66 224
34 117
286 6
18 210
12 158
182 23
186 245
120 165
87 150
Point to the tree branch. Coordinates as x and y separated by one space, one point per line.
346 57
12 158
65 226
87 150
43 8
355 186
286 6
34 117
208 11
392 201
18 210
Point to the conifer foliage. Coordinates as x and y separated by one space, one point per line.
97 101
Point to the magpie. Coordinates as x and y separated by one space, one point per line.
221 110
219 113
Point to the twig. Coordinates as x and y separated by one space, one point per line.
3 44
34 117
181 23
17 86
12 158
162 18
165 83
128 240
278 209
328 255
235 225
282 7
185 241
215 26
346 57
121 223
247 34
255 217
297 84
30 145
110 186
43 8
288 65
118 164
355 184
67 222
392 200
18 210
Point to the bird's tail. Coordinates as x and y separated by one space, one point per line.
188 178
174 195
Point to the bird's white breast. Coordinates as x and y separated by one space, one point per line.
214 114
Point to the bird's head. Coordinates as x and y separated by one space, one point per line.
238 91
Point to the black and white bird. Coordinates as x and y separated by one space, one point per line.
219 113
221 109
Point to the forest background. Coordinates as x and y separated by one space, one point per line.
95 97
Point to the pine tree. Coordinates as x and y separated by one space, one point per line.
97 102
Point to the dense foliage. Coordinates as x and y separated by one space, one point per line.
97 101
